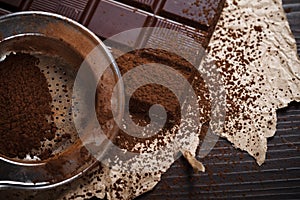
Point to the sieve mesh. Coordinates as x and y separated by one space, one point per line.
60 77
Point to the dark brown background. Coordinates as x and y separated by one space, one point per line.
230 173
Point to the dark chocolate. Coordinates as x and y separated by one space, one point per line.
111 18
199 14
3 12
148 5
13 3
69 8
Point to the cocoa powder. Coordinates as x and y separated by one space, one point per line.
147 95
25 107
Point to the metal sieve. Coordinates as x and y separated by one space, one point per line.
61 45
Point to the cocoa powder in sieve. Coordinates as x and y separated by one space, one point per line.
25 107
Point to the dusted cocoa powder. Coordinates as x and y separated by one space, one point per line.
25 107
147 95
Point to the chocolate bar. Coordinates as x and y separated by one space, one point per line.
109 17
112 17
